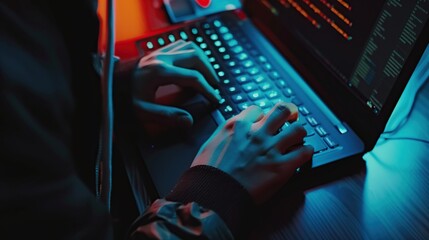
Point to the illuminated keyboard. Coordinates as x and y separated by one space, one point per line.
246 76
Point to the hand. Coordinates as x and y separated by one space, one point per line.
180 63
248 148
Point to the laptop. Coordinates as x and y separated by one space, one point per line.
344 63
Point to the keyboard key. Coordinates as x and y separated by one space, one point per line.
309 129
214 37
226 82
224 30
313 122
236 71
288 92
259 78
273 94
242 56
194 30
237 49
205 25
243 106
227 36
217 23
316 142
172 38
232 90
265 86
226 57
238 98
255 95
274 75
303 110
321 131
281 83
232 43
248 64
161 41
264 103
262 59
199 39
243 79
267 67
232 64
149 45
249 87
330 142
183 35
296 101
253 71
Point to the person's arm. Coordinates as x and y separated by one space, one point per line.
41 195
243 164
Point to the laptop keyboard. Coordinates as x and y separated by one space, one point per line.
246 76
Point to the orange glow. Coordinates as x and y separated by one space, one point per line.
134 18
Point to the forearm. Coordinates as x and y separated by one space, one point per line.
199 189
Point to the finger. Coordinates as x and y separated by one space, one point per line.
252 114
171 46
290 136
241 128
297 157
165 115
196 59
278 115
189 78
184 46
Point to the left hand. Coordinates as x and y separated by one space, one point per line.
180 63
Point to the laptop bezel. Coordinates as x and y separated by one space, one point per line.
333 92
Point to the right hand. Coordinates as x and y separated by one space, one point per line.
249 148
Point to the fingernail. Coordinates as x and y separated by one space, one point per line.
282 107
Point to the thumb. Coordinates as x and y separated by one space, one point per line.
170 116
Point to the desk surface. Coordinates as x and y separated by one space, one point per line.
386 197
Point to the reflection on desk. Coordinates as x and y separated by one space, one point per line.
386 198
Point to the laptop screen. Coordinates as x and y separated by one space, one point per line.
365 43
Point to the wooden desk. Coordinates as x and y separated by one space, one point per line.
384 197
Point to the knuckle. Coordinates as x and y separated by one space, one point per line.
258 137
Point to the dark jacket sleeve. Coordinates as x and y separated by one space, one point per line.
202 193
41 195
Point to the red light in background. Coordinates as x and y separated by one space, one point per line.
203 3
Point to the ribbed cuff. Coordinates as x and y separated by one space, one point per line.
218 191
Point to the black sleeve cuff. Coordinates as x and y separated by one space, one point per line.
218 191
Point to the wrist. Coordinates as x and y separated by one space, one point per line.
218 191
